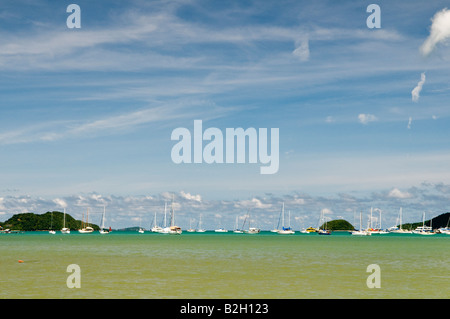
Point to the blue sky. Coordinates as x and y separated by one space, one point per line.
86 114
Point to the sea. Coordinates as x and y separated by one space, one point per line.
131 265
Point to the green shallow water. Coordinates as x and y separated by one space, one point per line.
213 265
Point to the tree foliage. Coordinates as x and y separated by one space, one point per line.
49 220
338 224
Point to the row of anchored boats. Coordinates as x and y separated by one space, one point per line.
283 229
420 230
85 228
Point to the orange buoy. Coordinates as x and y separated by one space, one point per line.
20 261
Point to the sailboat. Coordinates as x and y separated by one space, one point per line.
236 229
141 230
85 228
190 229
172 229
378 230
51 231
399 229
424 230
165 229
221 229
277 228
200 229
155 228
102 228
360 232
65 230
445 230
285 230
324 231
251 230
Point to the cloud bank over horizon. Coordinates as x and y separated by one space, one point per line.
124 211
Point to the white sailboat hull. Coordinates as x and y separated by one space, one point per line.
252 230
86 230
221 230
361 233
426 233
172 230
286 232
401 231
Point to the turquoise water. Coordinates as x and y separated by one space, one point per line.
224 265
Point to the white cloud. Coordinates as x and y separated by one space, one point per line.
60 202
253 203
302 50
366 118
415 93
396 193
299 201
330 119
188 196
439 31
409 123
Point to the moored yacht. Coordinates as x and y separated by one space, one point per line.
360 232
85 228
424 230
285 230
65 230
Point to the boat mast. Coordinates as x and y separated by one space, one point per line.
165 214
360 221
172 217
371 209
103 218
289 220
379 210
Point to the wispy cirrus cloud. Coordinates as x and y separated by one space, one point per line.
162 37
302 50
114 124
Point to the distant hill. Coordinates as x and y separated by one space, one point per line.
32 221
338 224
